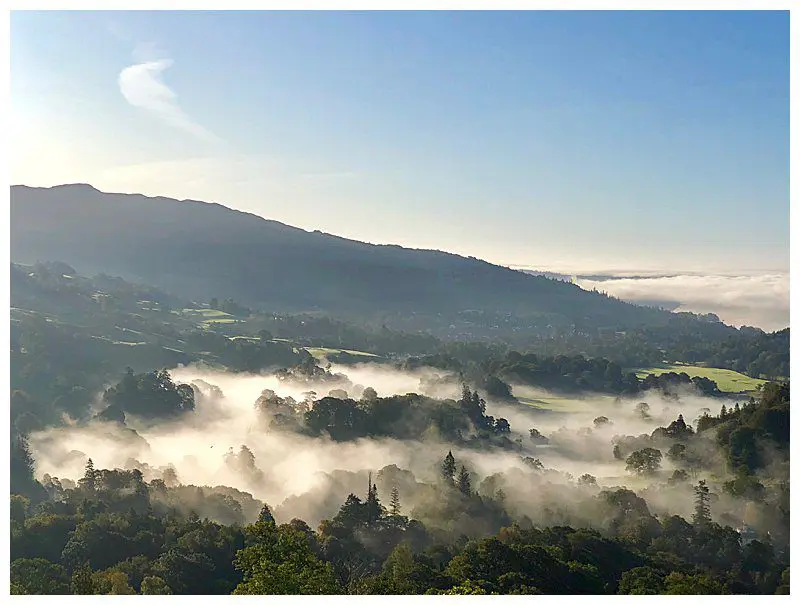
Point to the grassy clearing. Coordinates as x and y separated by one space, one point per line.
564 404
207 313
119 342
221 320
323 352
728 381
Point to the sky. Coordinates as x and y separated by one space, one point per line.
569 141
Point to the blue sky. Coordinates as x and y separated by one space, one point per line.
560 140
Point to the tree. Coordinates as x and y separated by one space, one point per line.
677 584
467 587
678 476
587 479
677 452
279 560
373 503
89 477
600 421
82 581
112 582
398 569
536 436
641 581
394 502
153 585
449 467
644 462
497 389
463 482
265 516
369 395
39 576
533 463
702 508
19 508
502 426
678 429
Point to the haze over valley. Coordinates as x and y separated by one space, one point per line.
399 303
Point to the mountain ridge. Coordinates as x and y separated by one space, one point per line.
206 249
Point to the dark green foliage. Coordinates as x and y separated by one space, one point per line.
743 434
394 502
365 550
449 467
464 482
115 534
39 576
82 581
702 508
694 584
644 462
22 478
641 581
565 373
151 395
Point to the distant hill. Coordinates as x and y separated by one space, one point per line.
204 250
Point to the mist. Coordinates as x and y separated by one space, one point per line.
753 300
309 478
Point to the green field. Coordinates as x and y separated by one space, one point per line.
206 313
322 352
728 381
565 404
119 342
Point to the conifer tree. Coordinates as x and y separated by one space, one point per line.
265 516
373 504
449 467
702 508
89 476
463 482
394 503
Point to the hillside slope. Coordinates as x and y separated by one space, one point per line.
203 250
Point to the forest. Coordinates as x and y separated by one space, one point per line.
169 446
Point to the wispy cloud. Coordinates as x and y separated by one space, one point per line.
142 86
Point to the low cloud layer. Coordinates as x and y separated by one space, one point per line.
754 300
311 477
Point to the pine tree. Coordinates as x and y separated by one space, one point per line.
373 503
265 516
394 503
466 395
449 467
723 412
736 408
702 508
463 482
89 476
